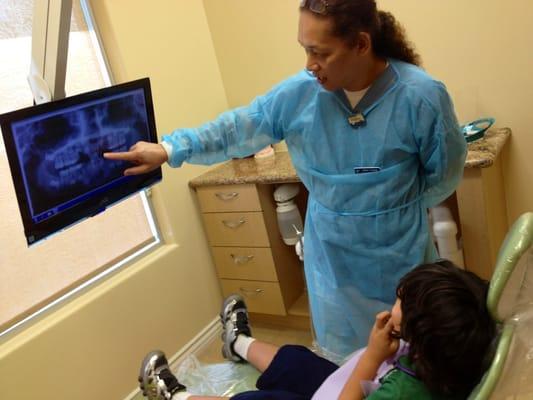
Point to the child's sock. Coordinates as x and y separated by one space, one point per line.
241 345
181 396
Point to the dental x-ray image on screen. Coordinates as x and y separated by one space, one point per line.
55 154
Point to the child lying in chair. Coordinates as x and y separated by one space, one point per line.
440 312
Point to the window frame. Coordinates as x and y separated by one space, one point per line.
47 76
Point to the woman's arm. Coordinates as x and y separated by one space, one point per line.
237 133
442 147
244 131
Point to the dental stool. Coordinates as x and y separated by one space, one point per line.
510 302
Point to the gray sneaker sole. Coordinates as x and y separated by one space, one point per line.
225 312
147 381
226 309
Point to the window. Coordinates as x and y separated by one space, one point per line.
34 278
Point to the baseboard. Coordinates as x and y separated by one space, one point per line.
205 336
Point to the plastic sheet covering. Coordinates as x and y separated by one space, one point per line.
516 381
220 379
510 301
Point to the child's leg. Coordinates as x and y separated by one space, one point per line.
157 381
237 336
297 370
261 354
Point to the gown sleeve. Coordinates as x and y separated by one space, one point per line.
236 133
442 147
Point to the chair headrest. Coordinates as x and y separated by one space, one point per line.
513 273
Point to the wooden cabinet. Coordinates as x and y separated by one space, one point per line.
250 257
483 217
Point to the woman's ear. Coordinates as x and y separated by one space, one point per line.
364 43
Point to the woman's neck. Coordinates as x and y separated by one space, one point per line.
368 74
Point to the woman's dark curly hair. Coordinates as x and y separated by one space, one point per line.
350 17
447 324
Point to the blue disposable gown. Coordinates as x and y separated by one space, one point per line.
363 231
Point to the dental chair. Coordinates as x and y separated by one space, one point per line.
510 302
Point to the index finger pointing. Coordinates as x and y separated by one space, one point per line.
125 156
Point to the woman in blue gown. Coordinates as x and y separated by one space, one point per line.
375 141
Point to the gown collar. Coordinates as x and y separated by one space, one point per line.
379 88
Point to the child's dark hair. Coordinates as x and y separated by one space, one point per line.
447 324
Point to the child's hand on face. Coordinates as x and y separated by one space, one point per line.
381 343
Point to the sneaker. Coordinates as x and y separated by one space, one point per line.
234 318
156 380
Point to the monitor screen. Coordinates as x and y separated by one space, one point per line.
55 154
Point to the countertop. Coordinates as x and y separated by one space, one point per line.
279 169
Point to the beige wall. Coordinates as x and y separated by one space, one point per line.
255 43
92 348
481 49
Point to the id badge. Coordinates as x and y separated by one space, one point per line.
365 170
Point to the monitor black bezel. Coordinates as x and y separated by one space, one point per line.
37 231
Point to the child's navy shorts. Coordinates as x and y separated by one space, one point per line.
295 373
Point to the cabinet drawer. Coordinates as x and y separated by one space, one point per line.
227 198
245 263
260 297
236 229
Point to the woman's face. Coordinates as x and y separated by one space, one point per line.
329 58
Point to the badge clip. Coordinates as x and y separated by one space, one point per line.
357 120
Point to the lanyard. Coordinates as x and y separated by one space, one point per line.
381 85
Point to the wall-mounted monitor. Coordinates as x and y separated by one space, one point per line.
55 154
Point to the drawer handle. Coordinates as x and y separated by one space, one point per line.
227 196
234 224
251 292
241 259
